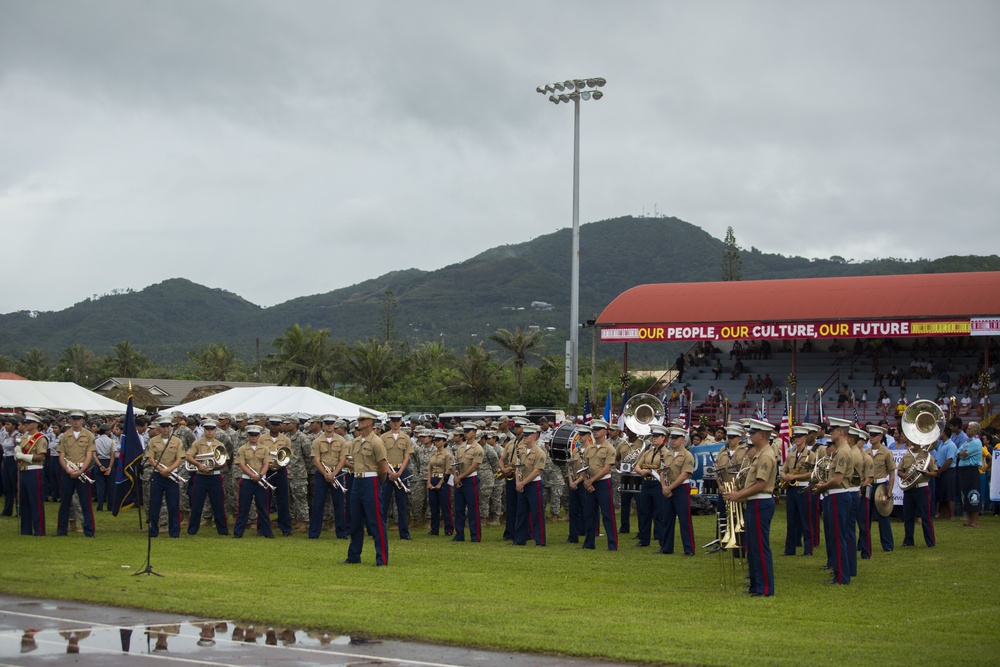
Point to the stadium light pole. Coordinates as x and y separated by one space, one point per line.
575 91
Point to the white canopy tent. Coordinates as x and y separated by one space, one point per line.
300 401
61 396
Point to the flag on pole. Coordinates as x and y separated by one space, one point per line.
587 412
857 419
806 420
607 407
127 479
666 412
784 432
763 409
690 415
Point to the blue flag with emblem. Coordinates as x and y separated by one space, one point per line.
607 407
127 480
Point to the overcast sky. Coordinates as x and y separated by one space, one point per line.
278 149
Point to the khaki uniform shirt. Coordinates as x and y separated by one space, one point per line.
367 451
469 454
762 467
203 446
328 450
724 460
909 459
534 459
41 446
74 448
795 460
844 464
858 460
253 458
869 468
597 456
678 463
164 452
884 463
576 461
648 461
396 448
624 447
273 444
440 463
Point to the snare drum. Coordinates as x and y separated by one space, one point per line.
630 483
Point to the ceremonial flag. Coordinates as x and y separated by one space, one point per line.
857 419
586 406
127 480
785 433
607 407
763 409
806 420
690 415
666 413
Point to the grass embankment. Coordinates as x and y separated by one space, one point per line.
915 606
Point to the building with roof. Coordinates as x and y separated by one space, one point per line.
170 392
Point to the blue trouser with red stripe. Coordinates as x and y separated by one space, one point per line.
677 508
757 525
812 509
467 500
366 510
440 504
576 527
600 502
31 507
650 511
852 532
250 490
884 523
799 522
322 489
530 514
865 525
389 489
511 509
279 479
9 478
211 486
917 502
68 486
836 510
161 488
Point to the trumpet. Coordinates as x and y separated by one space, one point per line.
336 482
174 475
217 458
86 478
400 484
262 481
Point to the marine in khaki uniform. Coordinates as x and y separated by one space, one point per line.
29 454
253 460
858 462
327 450
867 493
164 455
528 488
756 493
468 457
917 499
77 450
598 502
574 470
398 450
678 466
508 461
837 503
275 440
440 464
884 473
649 466
207 481
368 460
795 472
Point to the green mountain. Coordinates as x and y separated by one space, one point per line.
459 304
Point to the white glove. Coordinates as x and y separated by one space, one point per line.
20 456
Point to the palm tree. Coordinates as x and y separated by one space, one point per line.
126 361
478 373
34 365
371 364
521 345
302 357
78 363
430 355
216 361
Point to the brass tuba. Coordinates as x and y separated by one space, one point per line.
922 423
642 411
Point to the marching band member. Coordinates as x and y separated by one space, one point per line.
439 467
599 458
576 527
398 450
678 464
274 440
368 452
622 448
756 492
837 503
796 472
469 456
917 498
858 461
650 505
816 452
884 472
867 496
326 452
208 482
30 456
253 459
164 454
76 446
528 488
507 461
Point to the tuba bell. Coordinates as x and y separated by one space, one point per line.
642 411
922 423
282 457
217 457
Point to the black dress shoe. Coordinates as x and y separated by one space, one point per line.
351 562
623 531
431 532
825 567
404 538
457 539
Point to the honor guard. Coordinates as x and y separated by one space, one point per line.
30 457
367 454
164 454
253 460
599 458
756 493
326 452
528 489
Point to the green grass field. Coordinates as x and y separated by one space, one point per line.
915 606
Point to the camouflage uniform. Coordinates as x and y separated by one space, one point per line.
419 509
298 472
553 478
496 507
186 436
487 480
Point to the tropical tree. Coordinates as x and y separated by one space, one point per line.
478 373
216 361
126 361
34 365
302 357
732 262
371 364
78 363
429 356
521 345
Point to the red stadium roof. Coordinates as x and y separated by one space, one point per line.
856 298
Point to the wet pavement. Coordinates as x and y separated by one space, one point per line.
53 632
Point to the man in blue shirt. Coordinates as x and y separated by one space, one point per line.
944 456
970 457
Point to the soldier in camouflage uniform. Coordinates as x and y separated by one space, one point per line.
487 476
418 489
187 438
298 472
553 477
494 502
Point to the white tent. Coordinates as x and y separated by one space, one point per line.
272 400
61 396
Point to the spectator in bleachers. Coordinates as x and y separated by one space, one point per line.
894 376
759 384
768 382
965 405
743 403
901 406
749 387
736 350
807 346
864 398
835 346
717 369
765 349
776 397
737 370
674 396
679 364
884 403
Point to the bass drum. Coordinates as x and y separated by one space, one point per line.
561 444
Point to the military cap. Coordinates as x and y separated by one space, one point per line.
598 423
225 415
209 423
677 432
77 414
759 425
253 430
799 431
241 416
658 429
531 428
32 417
395 414
164 421
469 426
873 429
837 422
365 413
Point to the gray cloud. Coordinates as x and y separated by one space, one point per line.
281 149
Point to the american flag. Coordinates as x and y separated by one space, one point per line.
763 410
857 419
785 432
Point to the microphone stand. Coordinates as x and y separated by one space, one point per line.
148 569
